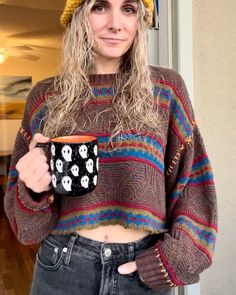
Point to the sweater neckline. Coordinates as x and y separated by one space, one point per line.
103 78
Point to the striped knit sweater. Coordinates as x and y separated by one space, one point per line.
164 186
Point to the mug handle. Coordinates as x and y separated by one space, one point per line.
44 146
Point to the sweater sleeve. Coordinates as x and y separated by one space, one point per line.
32 216
182 253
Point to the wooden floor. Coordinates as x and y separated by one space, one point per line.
16 260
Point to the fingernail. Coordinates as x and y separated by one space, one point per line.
121 270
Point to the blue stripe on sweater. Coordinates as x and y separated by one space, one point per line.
13 173
37 120
110 215
103 91
162 93
181 118
206 177
200 234
203 162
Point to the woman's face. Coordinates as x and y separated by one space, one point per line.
114 24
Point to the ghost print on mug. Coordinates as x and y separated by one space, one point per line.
74 164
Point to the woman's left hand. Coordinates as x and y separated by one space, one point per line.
127 268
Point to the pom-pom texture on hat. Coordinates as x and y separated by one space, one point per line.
71 5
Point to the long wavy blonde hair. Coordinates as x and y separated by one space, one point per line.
133 103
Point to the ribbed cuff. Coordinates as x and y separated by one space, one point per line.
152 269
25 198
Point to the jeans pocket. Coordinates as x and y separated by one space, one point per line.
141 282
50 257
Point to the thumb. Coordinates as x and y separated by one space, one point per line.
38 138
127 268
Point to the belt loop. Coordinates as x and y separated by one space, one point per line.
70 248
131 251
101 252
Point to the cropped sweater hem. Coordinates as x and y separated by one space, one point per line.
73 229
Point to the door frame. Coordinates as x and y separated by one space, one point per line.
175 51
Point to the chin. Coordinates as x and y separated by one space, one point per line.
113 54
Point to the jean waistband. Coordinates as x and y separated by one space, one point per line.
102 250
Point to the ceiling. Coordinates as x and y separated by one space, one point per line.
33 23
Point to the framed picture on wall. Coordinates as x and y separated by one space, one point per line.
13 94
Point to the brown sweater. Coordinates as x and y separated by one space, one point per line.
164 186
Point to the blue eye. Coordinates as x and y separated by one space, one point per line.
130 10
98 8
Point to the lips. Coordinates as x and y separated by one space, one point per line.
112 40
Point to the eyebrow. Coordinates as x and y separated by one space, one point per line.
131 1
126 1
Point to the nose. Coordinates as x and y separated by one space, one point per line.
115 21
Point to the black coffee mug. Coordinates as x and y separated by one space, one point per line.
74 164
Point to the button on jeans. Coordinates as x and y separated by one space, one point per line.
74 265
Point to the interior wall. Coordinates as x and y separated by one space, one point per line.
214 46
41 69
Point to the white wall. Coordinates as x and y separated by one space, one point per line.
43 68
214 47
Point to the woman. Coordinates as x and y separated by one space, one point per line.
150 223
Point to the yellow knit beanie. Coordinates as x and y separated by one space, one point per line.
71 5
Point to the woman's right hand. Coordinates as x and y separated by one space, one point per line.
33 167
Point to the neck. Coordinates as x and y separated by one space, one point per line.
106 66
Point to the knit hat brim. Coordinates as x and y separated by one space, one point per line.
71 5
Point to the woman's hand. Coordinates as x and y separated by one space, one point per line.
127 268
33 168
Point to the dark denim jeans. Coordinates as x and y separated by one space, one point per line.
74 265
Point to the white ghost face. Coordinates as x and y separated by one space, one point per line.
52 164
95 150
53 149
89 165
54 180
97 164
75 170
67 153
83 151
95 180
66 183
59 165
85 181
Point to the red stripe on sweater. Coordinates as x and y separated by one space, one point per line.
164 106
200 172
12 168
97 101
199 159
14 227
178 134
206 182
41 99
